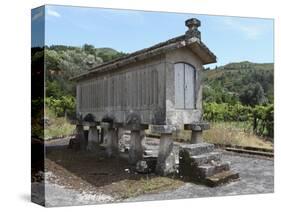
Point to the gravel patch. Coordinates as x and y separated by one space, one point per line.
256 177
58 195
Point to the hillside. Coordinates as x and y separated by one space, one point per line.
250 83
245 82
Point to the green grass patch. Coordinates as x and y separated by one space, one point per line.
132 188
227 133
57 126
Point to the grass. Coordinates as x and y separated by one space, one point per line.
239 134
57 127
228 133
132 188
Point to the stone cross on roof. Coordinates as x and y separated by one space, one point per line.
193 31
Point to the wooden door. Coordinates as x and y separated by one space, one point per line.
184 86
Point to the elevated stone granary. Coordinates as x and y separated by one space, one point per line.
158 87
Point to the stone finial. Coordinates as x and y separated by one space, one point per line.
193 31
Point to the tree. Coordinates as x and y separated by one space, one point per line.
253 94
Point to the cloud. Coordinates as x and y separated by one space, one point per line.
51 12
37 15
251 30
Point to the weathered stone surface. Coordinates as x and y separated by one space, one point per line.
197 126
166 157
197 131
193 31
196 149
136 148
146 165
196 137
162 129
80 137
221 178
111 142
208 170
93 138
205 158
201 163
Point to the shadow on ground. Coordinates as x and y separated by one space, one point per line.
96 169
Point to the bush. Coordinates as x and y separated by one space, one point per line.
61 106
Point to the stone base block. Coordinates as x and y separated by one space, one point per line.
221 178
205 158
208 170
197 149
201 163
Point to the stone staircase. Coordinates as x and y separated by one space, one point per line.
200 162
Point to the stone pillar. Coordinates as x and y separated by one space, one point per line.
80 136
136 149
101 135
93 138
111 142
196 136
120 133
197 129
166 158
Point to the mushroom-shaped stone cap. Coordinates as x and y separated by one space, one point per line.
197 126
192 23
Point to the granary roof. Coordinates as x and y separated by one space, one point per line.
193 43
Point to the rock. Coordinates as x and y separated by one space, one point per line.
146 165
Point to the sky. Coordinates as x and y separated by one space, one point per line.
232 39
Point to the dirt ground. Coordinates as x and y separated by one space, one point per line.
111 176
75 178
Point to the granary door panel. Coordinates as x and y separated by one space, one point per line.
189 87
179 85
184 86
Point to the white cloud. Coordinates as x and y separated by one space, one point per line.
51 12
250 30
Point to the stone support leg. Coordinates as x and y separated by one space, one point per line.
196 137
93 138
80 137
101 135
111 139
136 149
166 158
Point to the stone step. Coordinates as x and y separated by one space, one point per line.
198 149
205 158
221 178
208 170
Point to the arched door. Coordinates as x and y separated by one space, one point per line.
184 86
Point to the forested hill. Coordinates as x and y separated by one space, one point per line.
64 62
245 82
249 83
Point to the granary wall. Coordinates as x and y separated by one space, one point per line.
138 88
179 116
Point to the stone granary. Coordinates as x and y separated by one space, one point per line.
158 88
